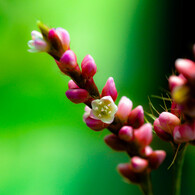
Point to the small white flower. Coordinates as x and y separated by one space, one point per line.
37 44
104 109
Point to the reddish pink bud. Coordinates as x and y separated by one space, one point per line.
160 132
124 108
136 117
88 66
139 164
143 135
95 124
55 41
69 60
156 158
175 81
72 85
127 171
115 143
185 67
110 89
64 37
184 133
126 133
168 122
77 95
146 151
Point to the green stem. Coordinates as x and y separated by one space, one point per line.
146 185
177 170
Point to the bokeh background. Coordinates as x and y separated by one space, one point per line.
45 148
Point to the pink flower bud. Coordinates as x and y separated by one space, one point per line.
156 158
184 133
186 67
168 122
69 60
139 164
110 89
143 135
136 117
146 151
88 66
94 124
124 108
115 143
77 95
126 133
64 37
72 85
175 81
127 171
160 132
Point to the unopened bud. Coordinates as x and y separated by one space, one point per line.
64 37
110 89
126 133
136 117
184 133
115 143
124 108
95 124
68 60
156 158
186 67
160 132
168 121
77 95
72 85
88 66
175 81
139 164
143 135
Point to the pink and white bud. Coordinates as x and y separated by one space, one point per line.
64 37
110 89
88 66
168 122
139 164
156 158
136 117
143 135
115 143
126 133
77 95
184 133
72 85
175 81
37 44
160 132
124 109
104 109
126 170
186 67
94 124
68 60
146 151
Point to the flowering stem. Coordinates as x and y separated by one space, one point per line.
146 185
177 170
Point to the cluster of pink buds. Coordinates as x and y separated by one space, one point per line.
129 133
178 126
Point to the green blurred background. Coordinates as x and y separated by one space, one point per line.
45 148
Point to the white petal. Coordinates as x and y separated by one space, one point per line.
36 35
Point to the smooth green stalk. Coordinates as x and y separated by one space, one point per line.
146 185
177 170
